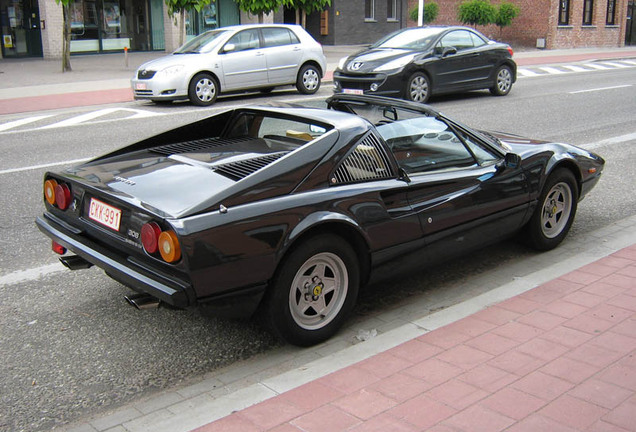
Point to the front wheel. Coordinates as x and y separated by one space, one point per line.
308 80
555 212
314 291
203 89
503 82
418 88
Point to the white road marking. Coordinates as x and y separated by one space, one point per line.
600 89
615 65
574 68
552 70
22 122
614 140
100 113
31 274
527 73
34 167
597 66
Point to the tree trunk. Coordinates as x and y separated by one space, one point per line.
304 18
260 17
297 16
182 29
66 36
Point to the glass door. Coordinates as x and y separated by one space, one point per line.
21 28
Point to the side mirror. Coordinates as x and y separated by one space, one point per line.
512 160
449 51
229 47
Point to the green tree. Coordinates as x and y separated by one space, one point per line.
66 34
431 10
505 14
477 12
259 7
180 7
306 7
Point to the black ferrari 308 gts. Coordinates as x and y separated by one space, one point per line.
290 211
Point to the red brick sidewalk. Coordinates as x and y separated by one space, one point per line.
560 357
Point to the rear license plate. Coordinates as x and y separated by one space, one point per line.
140 86
105 214
353 91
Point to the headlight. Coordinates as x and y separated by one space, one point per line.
170 71
341 63
395 64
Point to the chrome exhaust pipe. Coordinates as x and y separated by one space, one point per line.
75 262
143 301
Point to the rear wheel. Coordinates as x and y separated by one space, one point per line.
503 82
314 291
203 89
554 215
308 81
418 88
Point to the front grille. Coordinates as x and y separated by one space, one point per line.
143 92
241 169
367 161
358 82
145 74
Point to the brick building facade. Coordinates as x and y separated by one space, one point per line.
553 24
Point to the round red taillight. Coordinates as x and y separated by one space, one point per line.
62 196
150 236
49 191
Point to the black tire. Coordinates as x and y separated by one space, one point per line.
503 81
418 88
203 89
555 211
308 80
313 292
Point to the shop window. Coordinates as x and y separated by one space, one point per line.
200 22
391 10
369 10
611 12
564 12
588 6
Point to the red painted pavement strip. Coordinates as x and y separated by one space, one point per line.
65 100
567 58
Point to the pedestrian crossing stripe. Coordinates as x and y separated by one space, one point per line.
536 71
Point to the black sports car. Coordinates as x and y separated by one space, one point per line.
415 63
290 211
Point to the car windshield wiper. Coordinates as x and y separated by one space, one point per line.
188 52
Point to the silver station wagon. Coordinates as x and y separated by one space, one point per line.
229 59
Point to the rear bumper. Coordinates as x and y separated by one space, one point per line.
125 269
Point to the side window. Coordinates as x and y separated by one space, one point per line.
460 39
482 154
477 41
425 144
275 36
245 40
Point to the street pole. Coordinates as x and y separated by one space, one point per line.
420 13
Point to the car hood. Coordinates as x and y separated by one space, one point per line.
173 60
369 60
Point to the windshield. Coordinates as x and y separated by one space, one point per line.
202 43
418 38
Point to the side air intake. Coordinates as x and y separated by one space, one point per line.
367 161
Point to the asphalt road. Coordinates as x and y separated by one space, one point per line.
69 344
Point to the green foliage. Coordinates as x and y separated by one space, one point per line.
477 12
259 7
431 10
308 6
178 6
506 13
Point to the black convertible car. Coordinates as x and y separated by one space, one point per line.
417 62
289 211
